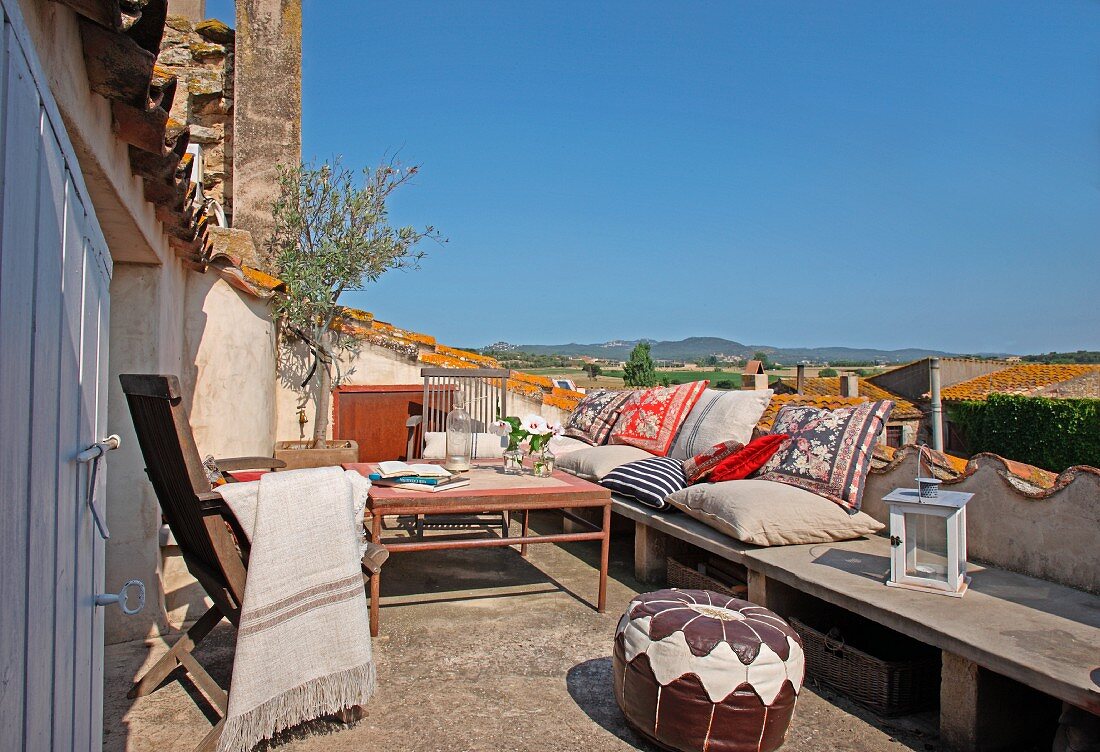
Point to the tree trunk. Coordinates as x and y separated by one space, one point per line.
324 399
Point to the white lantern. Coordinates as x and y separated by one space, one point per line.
928 541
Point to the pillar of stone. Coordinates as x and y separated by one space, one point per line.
267 115
193 10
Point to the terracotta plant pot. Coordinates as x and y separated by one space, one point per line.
298 454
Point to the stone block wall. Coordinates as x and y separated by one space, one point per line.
202 57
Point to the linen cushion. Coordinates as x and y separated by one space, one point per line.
766 513
593 418
486 446
750 459
593 463
829 451
700 466
560 445
720 416
648 481
651 418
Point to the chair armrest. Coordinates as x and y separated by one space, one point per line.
229 464
414 420
212 503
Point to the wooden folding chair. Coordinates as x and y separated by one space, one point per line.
197 517
485 394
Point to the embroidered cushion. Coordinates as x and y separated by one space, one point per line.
648 481
829 451
593 463
700 466
593 418
750 459
719 416
651 418
765 513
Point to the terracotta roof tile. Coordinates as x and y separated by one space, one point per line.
1024 379
828 386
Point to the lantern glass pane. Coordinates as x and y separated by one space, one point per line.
925 547
959 521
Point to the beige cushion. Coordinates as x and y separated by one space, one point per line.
592 463
766 513
562 445
486 446
717 417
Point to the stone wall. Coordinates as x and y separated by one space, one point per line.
1044 533
202 57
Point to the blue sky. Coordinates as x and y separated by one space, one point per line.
862 174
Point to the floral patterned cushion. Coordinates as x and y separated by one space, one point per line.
651 419
700 466
592 420
829 451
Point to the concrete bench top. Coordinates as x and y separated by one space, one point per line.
1041 634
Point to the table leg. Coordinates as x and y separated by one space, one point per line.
526 528
376 578
605 546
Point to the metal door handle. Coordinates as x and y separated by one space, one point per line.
93 454
122 599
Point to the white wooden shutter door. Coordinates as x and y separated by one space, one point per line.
54 305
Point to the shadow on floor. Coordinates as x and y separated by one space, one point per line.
591 686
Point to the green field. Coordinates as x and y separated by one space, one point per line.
613 377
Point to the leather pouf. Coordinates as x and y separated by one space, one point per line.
696 670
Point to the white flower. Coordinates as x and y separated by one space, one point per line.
500 428
535 425
557 429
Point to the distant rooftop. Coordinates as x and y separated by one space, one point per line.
1027 379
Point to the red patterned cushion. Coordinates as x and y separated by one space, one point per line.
593 418
651 418
829 451
700 466
750 459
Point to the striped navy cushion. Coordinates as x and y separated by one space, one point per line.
649 481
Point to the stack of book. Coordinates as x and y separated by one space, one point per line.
416 477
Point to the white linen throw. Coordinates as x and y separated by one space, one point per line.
303 644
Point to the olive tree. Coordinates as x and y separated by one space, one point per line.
332 234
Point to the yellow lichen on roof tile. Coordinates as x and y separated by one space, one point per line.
1022 379
361 316
482 360
535 379
780 401
444 361
566 402
829 386
520 387
261 279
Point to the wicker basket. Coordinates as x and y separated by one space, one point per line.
687 578
887 687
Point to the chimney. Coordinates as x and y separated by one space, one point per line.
800 379
849 386
754 381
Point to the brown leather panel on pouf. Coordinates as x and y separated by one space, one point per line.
696 670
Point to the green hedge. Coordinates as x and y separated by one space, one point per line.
1049 433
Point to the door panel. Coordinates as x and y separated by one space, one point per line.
54 277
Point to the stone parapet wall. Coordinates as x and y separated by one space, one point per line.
202 58
1085 386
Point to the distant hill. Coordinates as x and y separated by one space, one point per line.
700 347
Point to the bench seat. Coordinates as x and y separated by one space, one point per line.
1040 634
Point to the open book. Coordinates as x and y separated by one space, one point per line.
398 469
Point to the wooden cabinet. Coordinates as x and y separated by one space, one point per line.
375 416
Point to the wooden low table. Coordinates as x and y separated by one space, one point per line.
490 490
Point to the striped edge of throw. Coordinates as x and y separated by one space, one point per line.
330 693
649 481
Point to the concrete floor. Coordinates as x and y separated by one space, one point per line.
480 650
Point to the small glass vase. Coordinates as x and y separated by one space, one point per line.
513 462
542 463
